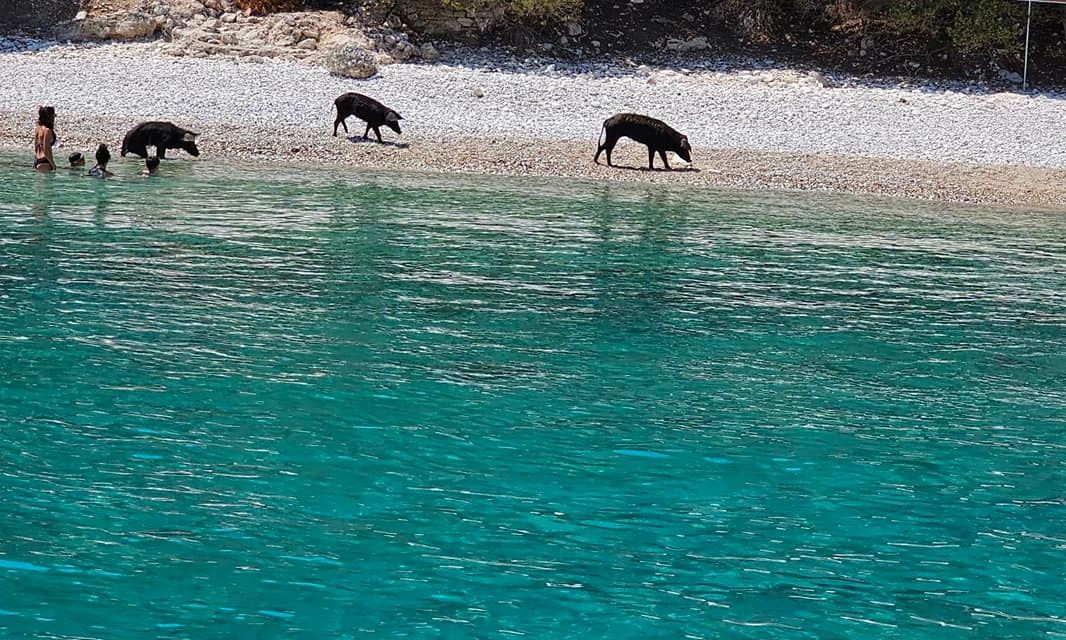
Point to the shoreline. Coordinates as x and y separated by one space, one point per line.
787 132
741 169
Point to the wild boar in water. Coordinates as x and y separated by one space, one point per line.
368 109
162 136
658 135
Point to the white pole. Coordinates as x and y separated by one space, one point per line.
1025 70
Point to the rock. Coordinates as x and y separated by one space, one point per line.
403 51
574 29
130 27
820 79
699 43
477 92
228 18
183 10
429 53
346 58
307 43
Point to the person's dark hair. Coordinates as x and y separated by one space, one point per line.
46 116
103 156
76 159
152 163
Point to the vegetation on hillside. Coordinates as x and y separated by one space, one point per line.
937 33
945 37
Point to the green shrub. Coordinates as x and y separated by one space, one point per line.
969 26
985 25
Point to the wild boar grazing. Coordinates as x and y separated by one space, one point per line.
367 109
658 135
162 136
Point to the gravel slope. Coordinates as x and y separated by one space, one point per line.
775 128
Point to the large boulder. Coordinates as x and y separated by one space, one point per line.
349 58
130 26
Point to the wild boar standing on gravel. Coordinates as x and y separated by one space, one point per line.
658 135
367 109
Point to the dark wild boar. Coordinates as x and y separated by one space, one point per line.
658 135
367 109
162 136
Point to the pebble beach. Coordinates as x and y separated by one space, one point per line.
476 111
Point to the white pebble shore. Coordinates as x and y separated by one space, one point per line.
760 110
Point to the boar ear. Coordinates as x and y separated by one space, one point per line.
684 143
392 116
190 136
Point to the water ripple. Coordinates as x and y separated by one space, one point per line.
299 402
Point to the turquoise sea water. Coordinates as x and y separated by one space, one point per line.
283 403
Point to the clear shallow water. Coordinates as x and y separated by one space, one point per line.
318 404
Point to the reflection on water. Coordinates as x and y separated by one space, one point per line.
259 403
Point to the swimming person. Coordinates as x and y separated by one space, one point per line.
150 166
76 160
44 138
103 156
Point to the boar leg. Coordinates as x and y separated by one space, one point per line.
377 132
340 121
662 154
651 158
608 146
161 152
